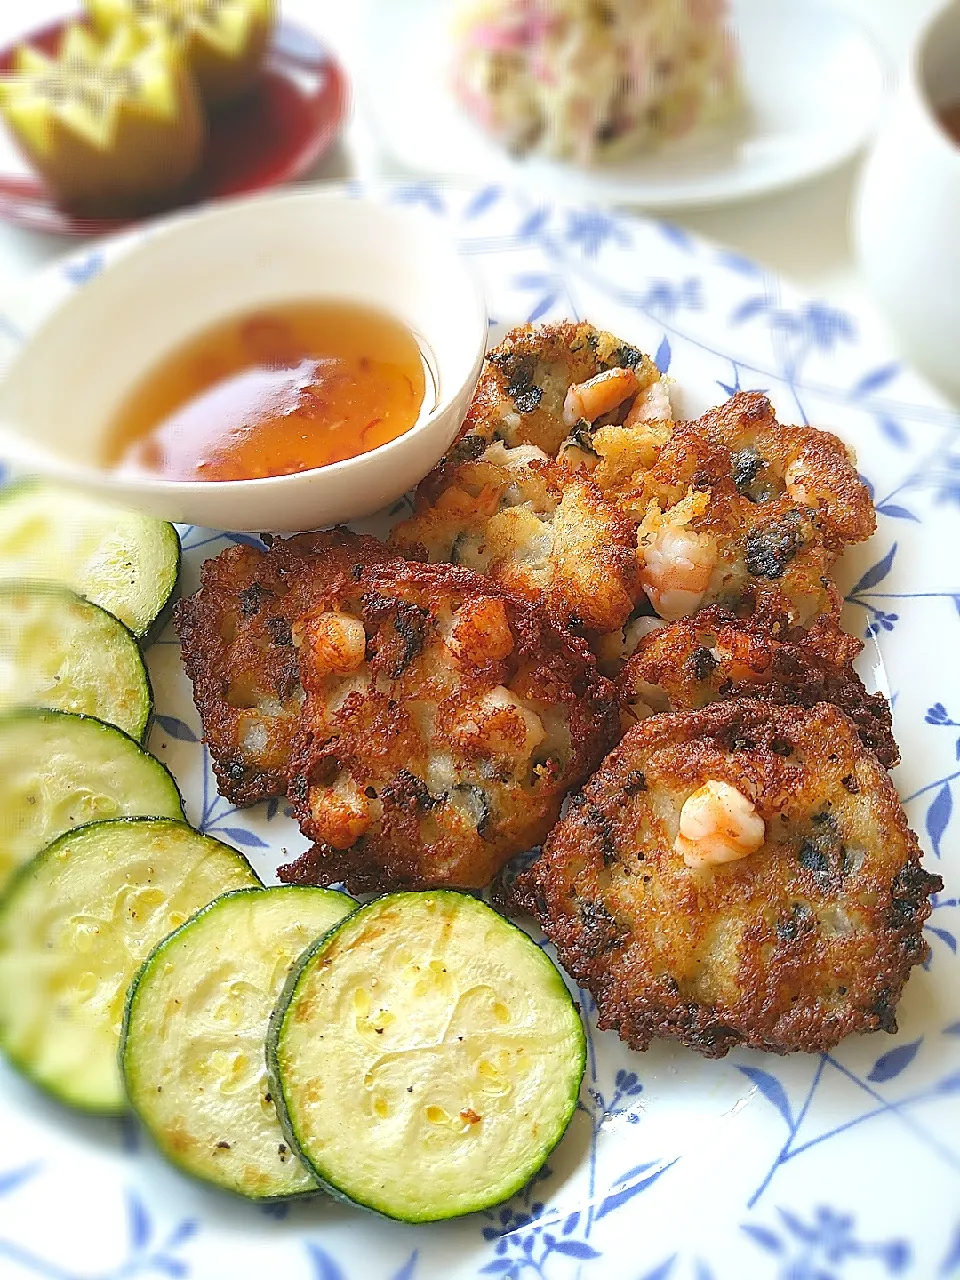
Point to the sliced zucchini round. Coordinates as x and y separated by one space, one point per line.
124 562
192 1051
59 771
426 1057
62 652
75 925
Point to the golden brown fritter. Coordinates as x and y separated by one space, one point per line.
521 393
444 723
499 503
526 522
701 542
805 940
713 657
238 650
734 509
814 468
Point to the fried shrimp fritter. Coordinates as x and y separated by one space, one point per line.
500 503
523 396
571 484
701 542
733 509
743 874
714 656
524 521
237 648
813 468
444 723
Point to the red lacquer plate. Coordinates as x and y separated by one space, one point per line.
274 135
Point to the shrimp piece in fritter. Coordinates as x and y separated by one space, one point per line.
676 563
590 400
806 939
651 405
718 824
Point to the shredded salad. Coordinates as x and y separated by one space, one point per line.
589 80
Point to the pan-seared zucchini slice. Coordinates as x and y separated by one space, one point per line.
75 925
62 652
427 1057
193 1044
124 562
60 771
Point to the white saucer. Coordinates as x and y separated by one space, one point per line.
814 80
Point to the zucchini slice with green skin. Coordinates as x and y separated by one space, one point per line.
75 925
124 562
426 1057
61 652
59 771
192 1051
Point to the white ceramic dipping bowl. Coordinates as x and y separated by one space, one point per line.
61 392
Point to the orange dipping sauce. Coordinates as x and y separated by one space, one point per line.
285 389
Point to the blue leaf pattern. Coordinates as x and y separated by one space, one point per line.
183 1232
85 269
893 431
139 1222
574 1249
944 935
664 355
889 1065
938 817
876 573
737 262
676 235
546 303
875 380
951 1262
324 1267
533 224
246 839
621 1197
771 1088
895 512
484 200
661 1272
175 728
764 1238
13 1178
408 1269
749 309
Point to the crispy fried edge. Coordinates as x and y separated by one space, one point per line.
197 620
636 1018
593 706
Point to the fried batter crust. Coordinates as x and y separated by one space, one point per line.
803 942
237 648
525 379
813 466
526 522
451 746
500 503
772 564
550 511
713 656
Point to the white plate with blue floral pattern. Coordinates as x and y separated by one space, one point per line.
841 1166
